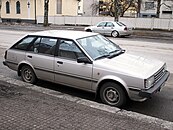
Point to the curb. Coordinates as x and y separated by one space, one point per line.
140 117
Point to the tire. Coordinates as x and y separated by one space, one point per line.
88 30
113 94
114 34
28 74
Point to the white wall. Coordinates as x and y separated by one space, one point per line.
145 23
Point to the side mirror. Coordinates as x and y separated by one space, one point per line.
83 60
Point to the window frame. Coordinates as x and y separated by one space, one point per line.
13 47
102 25
58 4
37 37
58 45
18 8
7 4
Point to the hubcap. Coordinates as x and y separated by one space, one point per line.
27 75
114 34
111 95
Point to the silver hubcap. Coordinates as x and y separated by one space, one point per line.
111 95
114 34
27 75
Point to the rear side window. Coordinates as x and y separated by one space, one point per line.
23 44
44 45
109 24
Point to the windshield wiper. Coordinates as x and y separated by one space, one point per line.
118 52
102 56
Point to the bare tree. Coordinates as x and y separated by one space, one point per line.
158 8
119 7
138 7
95 7
46 10
159 4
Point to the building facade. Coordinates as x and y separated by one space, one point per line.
28 10
149 8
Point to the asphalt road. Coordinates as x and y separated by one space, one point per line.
159 106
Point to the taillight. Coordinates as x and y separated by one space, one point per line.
5 56
125 28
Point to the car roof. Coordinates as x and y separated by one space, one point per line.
68 34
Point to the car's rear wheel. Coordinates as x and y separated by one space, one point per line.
113 94
89 30
115 34
28 74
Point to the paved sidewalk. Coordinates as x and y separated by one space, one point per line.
28 107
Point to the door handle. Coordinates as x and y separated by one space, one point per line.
29 56
59 62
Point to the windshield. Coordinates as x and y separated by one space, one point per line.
98 46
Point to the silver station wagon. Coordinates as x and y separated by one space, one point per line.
86 61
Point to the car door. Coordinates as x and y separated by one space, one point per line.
108 28
100 28
41 56
67 70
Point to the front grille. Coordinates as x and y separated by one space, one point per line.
159 74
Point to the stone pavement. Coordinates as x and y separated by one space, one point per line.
25 106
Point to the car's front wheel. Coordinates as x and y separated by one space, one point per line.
113 94
115 34
28 74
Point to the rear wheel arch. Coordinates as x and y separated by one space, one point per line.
20 67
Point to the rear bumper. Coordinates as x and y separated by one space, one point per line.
5 63
157 87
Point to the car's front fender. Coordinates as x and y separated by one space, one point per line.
110 78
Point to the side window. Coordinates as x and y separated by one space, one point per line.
35 46
23 44
17 7
109 24
7 7
68 49
101 24
44 46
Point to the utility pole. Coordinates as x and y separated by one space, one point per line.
46 9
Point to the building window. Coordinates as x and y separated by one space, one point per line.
59 6
166 12
7 7
18 7
149 5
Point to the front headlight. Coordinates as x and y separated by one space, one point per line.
149 82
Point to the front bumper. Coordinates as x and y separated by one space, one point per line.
157 87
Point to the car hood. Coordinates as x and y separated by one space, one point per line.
131 65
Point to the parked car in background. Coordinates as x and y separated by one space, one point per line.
86 61
114 29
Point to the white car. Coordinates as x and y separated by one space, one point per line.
114 29
86 61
